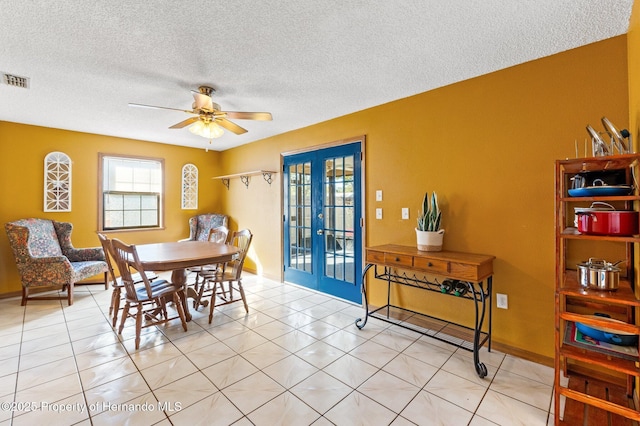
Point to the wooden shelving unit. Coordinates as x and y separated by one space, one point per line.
601 383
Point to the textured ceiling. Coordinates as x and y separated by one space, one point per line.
305 61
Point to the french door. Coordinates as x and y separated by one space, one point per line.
322 232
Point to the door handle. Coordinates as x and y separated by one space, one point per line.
319 232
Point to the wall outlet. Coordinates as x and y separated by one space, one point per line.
379 195
502 301
405 212
378 213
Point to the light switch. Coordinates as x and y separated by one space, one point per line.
378 213
502 301
379 195
405 212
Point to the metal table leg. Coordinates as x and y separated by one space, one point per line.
366 301
481 369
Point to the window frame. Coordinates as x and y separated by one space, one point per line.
161 203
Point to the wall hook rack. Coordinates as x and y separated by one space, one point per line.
245 177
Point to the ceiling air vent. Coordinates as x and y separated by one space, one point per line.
15 80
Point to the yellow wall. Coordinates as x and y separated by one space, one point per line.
487 146
22 152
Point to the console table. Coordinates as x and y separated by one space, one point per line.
464 275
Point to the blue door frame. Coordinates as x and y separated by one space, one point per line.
322 220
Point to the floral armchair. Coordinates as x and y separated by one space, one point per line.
199 226
45 257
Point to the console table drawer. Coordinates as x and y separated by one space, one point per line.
431 265
469 272
389 259
375 257
398 260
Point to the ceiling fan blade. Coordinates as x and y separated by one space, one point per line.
185 123
232 127
264 116
159 107
202 101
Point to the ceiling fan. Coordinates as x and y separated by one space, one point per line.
209 118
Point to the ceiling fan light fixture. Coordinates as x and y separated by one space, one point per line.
210 130
196 128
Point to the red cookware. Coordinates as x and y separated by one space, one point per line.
607 222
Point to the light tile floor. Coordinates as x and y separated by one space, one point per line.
296 359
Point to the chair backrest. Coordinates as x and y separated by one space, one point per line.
63 233
218 234
242 240
126 257
32 238
200 225
108 255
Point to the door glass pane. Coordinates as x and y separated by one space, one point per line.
305 194
307 217
293 175
300 217
338 218
293 197
330 264
293 240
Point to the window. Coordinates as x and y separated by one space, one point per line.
131 192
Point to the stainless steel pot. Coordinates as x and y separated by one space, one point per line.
599 274
608 277
588 272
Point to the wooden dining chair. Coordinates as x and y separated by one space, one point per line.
219 234
149 301
116 282
230 273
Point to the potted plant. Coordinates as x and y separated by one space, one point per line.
428 232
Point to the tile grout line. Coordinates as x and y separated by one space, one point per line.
15 387
235 320
15 393
121 340
73 350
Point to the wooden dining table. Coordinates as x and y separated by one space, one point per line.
178 256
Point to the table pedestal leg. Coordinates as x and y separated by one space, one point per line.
179 278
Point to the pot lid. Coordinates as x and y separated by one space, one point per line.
597 206
591 209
